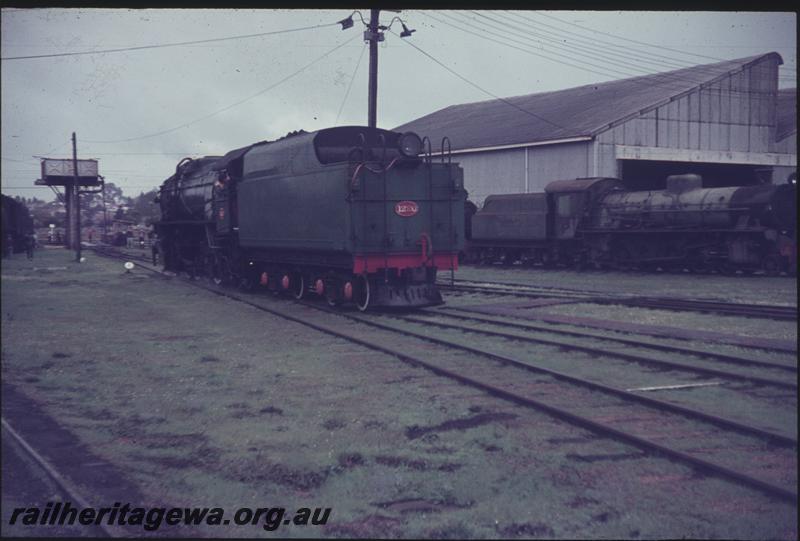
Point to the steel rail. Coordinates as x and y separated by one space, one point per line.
679 304
636 329
59 480
516 293
748 480
531 286
659 404
603 429
601 293
597 351
733 359
732 309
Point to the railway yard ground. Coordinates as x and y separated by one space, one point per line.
534 404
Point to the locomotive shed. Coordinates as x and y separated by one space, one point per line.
190 393
727 122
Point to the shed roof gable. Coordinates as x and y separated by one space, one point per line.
574 112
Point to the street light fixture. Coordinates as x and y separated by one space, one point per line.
406 32
346 23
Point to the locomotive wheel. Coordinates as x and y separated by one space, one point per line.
726 268
332 301
362 293
509 258
298 285
197 267
772 266
228 276
213 269
580 262
698 266
247 282
648 266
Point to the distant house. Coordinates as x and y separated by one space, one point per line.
121 226
726 121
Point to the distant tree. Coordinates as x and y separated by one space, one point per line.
143 210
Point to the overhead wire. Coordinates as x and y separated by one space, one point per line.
607 72
471 83
604 74
658 46
162 45
55 148
646 55
565 36
594 30
352 78
670 80
539 39
141 153
654 56
227 107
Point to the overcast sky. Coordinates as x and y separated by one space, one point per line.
208 98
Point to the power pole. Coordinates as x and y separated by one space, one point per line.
373 35
68 224
105 214
77 205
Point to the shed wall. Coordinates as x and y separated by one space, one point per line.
787 145
736 113
494 172
503 171
558 162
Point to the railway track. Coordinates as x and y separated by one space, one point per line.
431 316
661 303
113 251
772 345
720 357
598 297
511 286
68 489
714 307
748 455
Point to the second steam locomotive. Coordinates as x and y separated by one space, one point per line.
597 221
357 215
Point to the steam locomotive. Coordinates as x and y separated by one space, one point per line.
17 225
597 222
357 215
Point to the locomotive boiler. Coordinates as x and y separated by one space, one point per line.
357 215
597 221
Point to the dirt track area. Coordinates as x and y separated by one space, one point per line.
201 401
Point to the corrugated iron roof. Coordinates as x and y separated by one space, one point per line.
574 112
787 112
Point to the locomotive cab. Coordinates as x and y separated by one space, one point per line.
570 204
571 201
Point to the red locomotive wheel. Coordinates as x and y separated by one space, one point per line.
298 285
362 293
